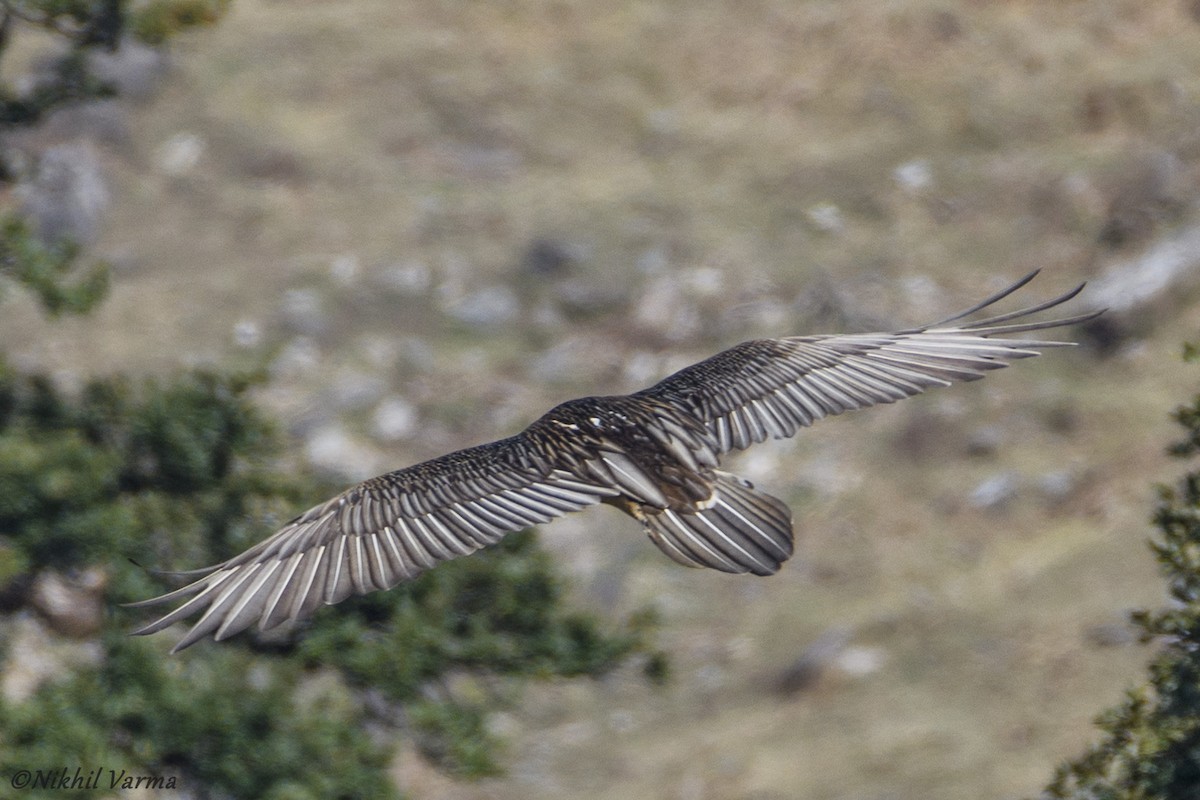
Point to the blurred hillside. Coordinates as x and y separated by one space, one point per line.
433 221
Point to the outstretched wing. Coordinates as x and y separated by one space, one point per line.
774 387
379 533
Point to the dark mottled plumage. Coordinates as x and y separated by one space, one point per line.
653 454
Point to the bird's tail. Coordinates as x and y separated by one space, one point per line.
738 529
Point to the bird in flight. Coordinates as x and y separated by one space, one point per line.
654 454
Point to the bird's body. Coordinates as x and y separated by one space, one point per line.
654 455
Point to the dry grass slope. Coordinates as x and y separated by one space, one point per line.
480 209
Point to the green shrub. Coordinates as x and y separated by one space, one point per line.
1151 750
184 472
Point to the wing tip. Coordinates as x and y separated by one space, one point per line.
978 326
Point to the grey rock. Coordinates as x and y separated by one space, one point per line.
247 333
101 121
356 391
548 257
995 492
304 311
813 661
407 278
298 358
578 297
653 261
36 657
489 307
913 176
394 419
180 154
985 441
663 309
1057 485
68 195
1169 268
564 361
72 607
331 448
345 270
135 70
826 217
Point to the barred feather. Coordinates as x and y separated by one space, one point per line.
652 454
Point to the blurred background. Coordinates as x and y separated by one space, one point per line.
429 222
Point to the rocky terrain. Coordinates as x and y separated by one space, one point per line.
432 222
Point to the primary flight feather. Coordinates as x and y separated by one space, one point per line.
653 454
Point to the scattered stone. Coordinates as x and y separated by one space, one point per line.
572 359
450 283
914 176
922 294
247 333
355 391
345 270
622 720
72 607
826 217
504 724
1058 484
180 154
298 358
995 492
711 677
35 657
378 350
861 661
663 309
303 311
332 449
418 354
984 441
1166 269
642 368
560 363
813 661
660 133
481 161
1152 190
653 261
395 419
101 121
580 297
134 69
546 317
489 307
1142 291
548 258
68 196
704 281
